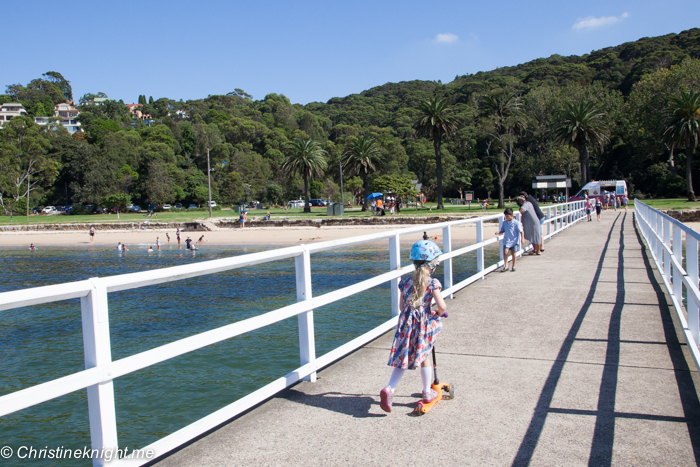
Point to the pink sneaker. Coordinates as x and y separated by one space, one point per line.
429 396
386 397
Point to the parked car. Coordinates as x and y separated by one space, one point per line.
36 210
192 206
178 206
134 208
213 203
48 210
167 206
297 203
317 202
152 206
69 208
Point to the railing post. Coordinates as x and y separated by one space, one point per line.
500 242
667 242
660 244
480 251
678 253
307 343
549 224
447 264
394 264
691 266
560 211
98 352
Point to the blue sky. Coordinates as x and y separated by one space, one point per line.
307 50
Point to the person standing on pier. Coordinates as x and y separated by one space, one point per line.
513 236
531 224
419 324
540 215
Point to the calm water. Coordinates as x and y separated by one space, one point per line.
41 343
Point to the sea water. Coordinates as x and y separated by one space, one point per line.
44 342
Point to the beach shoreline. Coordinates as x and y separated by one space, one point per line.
245 236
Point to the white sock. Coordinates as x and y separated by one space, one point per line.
426 373
396 376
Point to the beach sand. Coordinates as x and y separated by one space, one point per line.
248 236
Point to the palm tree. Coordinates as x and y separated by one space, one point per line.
436 122
306 158
683 129
361 156
582 126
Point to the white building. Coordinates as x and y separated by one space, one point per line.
65 114
10 110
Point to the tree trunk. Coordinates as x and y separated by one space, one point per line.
307 206
365 185
501 189
588 165
688 175
582 161
438 170
671 164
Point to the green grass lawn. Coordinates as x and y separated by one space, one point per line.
186 216
671 203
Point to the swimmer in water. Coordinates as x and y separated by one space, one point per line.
32 247
150 249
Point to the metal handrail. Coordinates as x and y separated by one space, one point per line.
101 370
664 236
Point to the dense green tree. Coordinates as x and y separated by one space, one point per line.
435 122
306 158
683 129
362 156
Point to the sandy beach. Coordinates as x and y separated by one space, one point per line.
247 236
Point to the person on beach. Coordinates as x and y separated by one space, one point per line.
419 325
167 235
92 234
531 224
32 247
513 236
589 209
425 235
188 242
177 234
598 208
158 242
267 216
242 218
201 240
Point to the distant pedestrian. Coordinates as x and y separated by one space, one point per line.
177 234
512 231
242 218
598 208
589 209
613 202
531 224
92 234
625 201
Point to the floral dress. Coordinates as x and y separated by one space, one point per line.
417 329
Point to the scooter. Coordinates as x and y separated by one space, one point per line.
445 391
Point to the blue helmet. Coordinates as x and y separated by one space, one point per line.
425 250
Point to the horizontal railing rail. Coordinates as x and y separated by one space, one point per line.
665 236
100 370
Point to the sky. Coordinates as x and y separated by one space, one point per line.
307 50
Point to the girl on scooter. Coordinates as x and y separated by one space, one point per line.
419 325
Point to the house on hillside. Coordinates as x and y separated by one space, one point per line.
65 114
11 110
135 110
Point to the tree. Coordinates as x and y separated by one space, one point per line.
581 126
306 158
683 129
120 201
362 156
436 122
504 127
62 83
25 163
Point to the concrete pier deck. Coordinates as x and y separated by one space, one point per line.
574 359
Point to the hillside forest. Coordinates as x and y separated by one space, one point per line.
616 113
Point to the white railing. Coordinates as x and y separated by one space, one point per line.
101 370
665 236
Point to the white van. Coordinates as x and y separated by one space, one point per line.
596 189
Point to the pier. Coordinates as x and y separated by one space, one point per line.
577 358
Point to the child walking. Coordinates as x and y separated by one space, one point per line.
419 325
513 236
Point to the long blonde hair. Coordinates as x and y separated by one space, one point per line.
420 282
